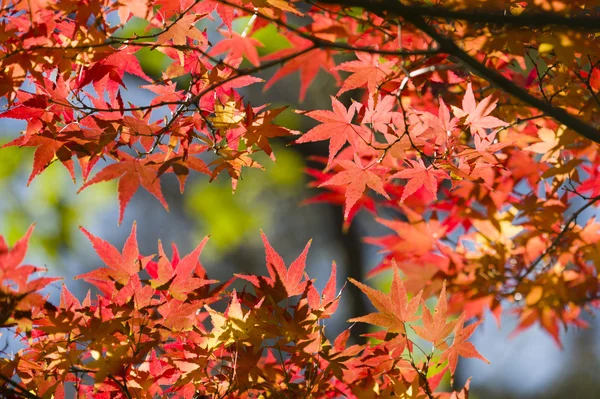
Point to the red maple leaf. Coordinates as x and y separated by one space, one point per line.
367 70
282 282
420 176
12 272
108 73
380 114
48 149
336 126
357 178
131 173
121 266
327 301
308 64
238 46
182 276
260 128
337 195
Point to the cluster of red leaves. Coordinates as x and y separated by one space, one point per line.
80 63
488 204
154 331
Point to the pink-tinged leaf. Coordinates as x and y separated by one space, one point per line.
10 259
275 264
329 291
238 46
47 151
179 277
367 70
402 307
394 308
478 118
326 302
178 315
67 300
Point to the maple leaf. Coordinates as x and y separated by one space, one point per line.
437 127
181 276
357 178
282 282
380 114
121 266
327 301
336 126
411 240
290 278
478 118
12 272
435 327
308 64
48 149
238 46
178 315
260 128
165 93
109 72
395 310
549 145
227 114
179 33
233 162
183 30
131 174
137 8
420 176
460 346
366 70
337 195
225 11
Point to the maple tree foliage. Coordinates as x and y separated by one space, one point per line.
468 128
153 330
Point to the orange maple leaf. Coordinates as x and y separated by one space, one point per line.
460 346
435 327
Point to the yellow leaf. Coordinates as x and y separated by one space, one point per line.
545 48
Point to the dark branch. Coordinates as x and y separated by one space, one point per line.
537 19
555 242
447 45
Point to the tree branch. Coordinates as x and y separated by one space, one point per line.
447 45
537 19
16 388
555 242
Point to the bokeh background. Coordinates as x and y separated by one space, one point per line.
528 365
